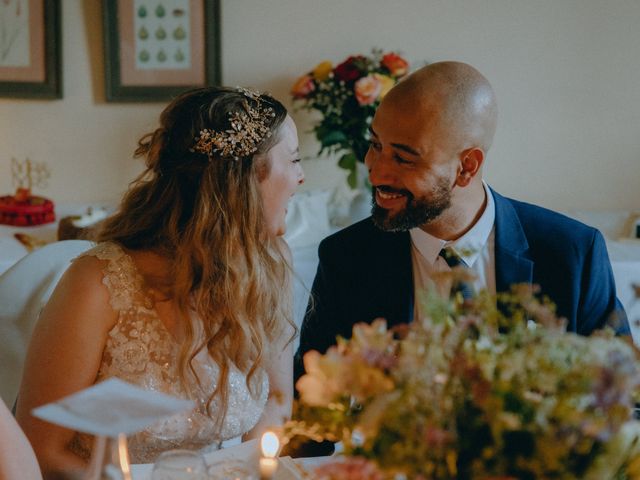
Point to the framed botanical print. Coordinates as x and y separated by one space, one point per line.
30 49
155 49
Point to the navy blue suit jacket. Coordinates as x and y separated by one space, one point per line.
365 273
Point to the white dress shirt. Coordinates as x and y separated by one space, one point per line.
475 248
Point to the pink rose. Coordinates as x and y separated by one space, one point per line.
396 65
367 90
303 87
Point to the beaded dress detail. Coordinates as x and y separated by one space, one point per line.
140 350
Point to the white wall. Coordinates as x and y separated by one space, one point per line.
566 72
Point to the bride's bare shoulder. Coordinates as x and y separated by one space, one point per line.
83 282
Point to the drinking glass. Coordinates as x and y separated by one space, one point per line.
179 465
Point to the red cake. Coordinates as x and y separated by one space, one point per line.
24 209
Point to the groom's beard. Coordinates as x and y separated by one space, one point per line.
419 210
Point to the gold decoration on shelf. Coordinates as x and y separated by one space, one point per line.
28 174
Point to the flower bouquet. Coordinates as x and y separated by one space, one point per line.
347 97
473 391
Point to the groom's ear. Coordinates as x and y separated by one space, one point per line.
471 161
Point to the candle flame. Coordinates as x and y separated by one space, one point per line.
270 445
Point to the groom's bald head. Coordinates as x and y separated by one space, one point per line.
456 97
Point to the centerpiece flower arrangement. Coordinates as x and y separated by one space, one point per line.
347 97
473 391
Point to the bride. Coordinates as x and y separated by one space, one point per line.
187 291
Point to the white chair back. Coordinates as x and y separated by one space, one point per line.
24 289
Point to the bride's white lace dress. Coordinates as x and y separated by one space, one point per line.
140 350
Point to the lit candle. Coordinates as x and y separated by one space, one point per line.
269 460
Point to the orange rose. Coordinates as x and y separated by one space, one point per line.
322 70
386 82
303 87
396 65
367 90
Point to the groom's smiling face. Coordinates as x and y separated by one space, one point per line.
412 167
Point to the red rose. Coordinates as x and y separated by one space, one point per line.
348 70
396 65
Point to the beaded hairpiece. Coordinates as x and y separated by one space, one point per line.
248 130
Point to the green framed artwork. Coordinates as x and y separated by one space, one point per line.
155 49
30 49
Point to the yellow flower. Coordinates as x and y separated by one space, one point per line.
386 82
322 70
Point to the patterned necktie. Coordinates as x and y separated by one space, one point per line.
453 260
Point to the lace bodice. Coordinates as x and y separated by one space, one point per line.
141 351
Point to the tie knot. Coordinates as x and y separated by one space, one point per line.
452 258
460 285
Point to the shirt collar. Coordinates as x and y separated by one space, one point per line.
469 246
428 245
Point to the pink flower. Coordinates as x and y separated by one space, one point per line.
437 437
325 380
354 468
303 87
368 90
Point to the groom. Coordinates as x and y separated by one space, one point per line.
429 142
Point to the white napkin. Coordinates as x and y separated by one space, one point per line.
110 408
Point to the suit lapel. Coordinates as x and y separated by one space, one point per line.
513 264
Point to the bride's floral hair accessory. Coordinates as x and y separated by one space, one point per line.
248 130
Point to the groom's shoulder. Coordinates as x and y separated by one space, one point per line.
551 227
537 220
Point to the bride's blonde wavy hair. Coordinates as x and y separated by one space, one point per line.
204 214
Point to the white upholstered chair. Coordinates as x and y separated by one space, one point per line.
24 290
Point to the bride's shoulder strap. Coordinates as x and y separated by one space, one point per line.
120 276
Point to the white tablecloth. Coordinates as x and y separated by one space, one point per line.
247 453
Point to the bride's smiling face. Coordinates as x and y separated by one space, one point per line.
285 174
